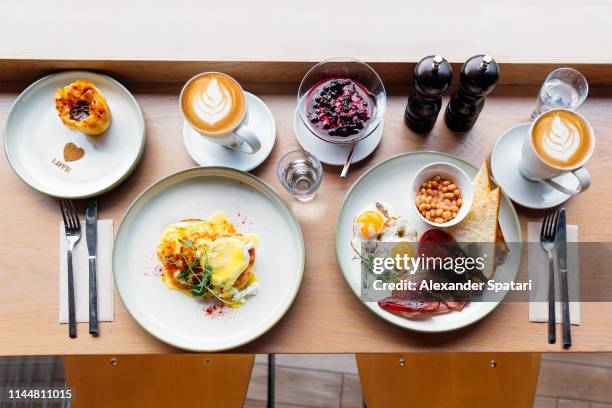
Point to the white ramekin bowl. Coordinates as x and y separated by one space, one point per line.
448 171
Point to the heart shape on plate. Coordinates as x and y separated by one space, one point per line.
72 152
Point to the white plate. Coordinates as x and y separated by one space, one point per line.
387 182
530 194
34 139
334 154
196 193
259 120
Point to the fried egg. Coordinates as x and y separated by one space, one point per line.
209 258
399 230
371 222
378 224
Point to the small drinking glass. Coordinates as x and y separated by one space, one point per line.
563 88
301 174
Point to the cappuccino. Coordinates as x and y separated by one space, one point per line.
562 139
213 103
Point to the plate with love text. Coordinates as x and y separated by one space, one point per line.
61 162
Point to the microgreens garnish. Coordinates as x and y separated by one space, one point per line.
197 274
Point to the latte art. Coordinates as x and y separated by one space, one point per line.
213 103
562 139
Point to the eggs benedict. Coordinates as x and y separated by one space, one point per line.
209 259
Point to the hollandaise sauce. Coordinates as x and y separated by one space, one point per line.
209 259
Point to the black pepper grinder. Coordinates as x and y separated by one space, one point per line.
478 77
432 77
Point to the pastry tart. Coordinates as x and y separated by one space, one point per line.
81 106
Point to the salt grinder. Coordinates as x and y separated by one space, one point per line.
478 78
432 77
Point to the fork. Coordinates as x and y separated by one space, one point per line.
547 239
72 225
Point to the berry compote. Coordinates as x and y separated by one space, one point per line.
339 107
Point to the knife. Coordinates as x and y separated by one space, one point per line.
91 232
561 245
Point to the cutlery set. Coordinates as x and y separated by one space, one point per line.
553 237
72 226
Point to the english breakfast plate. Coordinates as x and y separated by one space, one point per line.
61 162
174 205
389 182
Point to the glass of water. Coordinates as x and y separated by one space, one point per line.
563 88
301 174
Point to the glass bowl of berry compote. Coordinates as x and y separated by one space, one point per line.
342 100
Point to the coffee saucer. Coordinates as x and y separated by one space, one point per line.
330 153
259 119
504 168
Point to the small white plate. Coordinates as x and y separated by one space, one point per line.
505 172
330 153
35 138
259 120
251 205
382 183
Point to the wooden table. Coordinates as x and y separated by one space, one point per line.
326 317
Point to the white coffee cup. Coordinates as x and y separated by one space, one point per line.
534 167
237 136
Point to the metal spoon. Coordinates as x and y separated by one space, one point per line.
347 163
